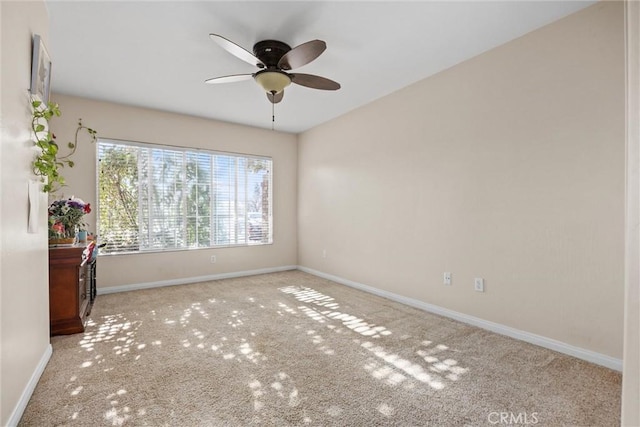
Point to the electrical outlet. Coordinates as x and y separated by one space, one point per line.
478 284
324 253
447 278
213 259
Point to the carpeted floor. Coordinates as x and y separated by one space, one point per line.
293 349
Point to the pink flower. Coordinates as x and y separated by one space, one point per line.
58 227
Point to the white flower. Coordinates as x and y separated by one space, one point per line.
77 200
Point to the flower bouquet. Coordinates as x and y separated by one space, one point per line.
66 218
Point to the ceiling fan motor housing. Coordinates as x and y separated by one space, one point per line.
270 51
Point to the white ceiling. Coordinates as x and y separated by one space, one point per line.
157 54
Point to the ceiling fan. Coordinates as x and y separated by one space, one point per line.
275 59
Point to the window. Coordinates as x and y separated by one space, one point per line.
155 198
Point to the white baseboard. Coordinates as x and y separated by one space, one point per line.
580 353
188 280
14 419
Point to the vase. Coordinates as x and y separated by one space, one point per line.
62 241
82 236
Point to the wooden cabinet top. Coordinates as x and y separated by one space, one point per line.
61 253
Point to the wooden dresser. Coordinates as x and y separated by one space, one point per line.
72 289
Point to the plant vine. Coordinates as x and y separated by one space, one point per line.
48 162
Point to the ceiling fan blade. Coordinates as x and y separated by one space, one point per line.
314 82
302 54
236 50
229 79
275 98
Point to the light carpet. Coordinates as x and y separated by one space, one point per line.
293 349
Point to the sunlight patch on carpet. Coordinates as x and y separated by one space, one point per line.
311 296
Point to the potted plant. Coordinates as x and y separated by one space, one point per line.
48 162
66 217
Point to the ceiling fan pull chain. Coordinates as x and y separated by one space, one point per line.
273 115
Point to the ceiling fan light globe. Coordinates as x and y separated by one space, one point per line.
273 81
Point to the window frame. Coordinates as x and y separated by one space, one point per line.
185 149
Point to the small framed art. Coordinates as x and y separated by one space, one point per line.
40 70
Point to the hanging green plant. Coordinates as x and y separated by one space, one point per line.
48 161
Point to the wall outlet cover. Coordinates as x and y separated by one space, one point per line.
447 278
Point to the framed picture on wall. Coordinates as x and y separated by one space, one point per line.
40 70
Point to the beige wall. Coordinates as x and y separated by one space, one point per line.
144 125
509 166
24 291
631 372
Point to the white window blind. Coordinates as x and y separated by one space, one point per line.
155 198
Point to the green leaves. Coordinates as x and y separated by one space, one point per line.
47 163
53 149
